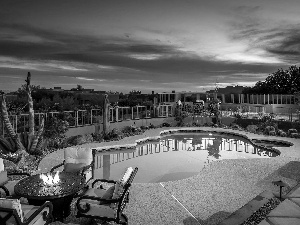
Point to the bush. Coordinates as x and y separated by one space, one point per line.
97 137
269 129
290 131
234 126
252 128
272 133
165 124
113 135
55 129
295 135
281 133
79 139
151 126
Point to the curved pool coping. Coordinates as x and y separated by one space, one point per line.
151 203
167 131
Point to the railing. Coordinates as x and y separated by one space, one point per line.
81 118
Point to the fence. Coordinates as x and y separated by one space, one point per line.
81 118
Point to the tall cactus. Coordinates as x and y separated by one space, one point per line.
105 114
30 143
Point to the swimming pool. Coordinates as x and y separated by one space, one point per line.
176 156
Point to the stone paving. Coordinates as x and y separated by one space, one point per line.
287 212
209 197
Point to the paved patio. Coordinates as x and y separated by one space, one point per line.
209 197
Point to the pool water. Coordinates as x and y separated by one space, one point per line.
175 156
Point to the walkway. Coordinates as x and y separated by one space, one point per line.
287 212
209 197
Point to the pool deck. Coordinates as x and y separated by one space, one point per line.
221 188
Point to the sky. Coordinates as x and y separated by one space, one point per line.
157 45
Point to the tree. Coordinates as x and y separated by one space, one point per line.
279 82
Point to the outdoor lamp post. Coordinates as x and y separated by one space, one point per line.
281 184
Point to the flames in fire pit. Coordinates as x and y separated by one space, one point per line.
48 179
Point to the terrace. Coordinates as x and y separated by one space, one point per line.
231 184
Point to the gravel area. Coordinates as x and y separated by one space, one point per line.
209 197
261 213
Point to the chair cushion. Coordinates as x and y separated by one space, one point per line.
10 185
126 175
3 177
109 193
1 165
73 167
101 211
101 193
78 154
12 204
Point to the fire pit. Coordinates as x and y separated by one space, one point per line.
59 188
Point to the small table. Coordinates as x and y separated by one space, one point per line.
60 194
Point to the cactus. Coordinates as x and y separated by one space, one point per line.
23 144
106 105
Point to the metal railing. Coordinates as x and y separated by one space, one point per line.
81 118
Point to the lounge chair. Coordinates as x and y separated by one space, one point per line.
105 209
12 212
107 204
6 185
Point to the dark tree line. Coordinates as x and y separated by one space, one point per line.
279 82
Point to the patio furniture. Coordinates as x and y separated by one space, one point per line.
12 212
110 202
105 209
127 177
5 184
60 192
79 160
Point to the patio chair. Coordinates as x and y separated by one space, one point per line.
12 212
107 188
79 160
127 177
105 209
6 185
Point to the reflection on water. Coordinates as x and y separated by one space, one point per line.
175 157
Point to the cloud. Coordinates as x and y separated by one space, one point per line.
85 78
268 37
111 58
39 65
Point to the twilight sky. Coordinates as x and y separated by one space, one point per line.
158 45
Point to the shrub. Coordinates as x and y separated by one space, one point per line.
195 124
272 133
165 124
295 135
79 139
290 131
151 126
252 128
113 135
235 126
269 129
281 133
55 129
97 137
